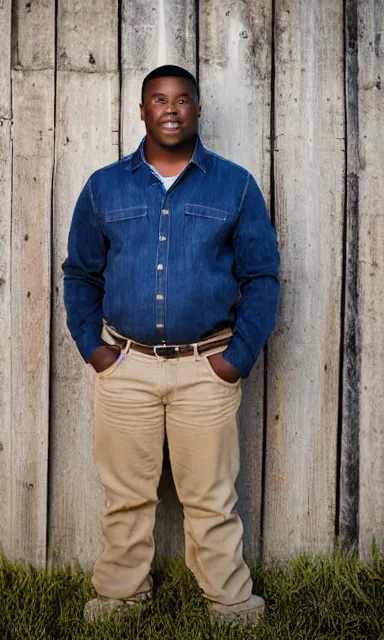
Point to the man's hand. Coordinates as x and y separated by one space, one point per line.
104 357
225 370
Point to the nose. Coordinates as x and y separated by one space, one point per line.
171 109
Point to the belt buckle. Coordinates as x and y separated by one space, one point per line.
175 348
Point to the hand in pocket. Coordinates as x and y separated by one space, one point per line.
103 357
225 370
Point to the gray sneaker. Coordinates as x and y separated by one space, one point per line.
244 613
101 608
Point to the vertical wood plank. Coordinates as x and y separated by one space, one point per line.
371 272
31 221
6 472
87 36
33 125
303 367
235 81
155 33
33 26
86 138
349 453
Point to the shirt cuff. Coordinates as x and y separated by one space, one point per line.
238 354
88 349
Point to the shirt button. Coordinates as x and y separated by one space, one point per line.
159 297
165 212
162 238
159 326
160 267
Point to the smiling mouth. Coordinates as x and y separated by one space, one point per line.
170 126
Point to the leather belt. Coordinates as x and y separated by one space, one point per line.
111 336
178 351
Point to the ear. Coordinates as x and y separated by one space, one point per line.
142 112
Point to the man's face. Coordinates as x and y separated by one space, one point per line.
170 110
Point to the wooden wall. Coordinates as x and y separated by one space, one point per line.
291 89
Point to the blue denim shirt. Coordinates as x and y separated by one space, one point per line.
172 266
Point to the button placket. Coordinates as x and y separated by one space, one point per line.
161 269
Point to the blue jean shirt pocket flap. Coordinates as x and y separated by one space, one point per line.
205 212
116 215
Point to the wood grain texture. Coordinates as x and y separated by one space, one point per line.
5 56
303 367
6 472
154 32
235 83
31 228
33 34
86 115
350 425
87 38
371 272
249 482
308 162
87 107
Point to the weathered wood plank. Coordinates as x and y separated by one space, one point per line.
86 139
154 32
87 37
303 367
87 119
33 100
371 272
349 458
5 56
6 473
235 82
33 124
33 34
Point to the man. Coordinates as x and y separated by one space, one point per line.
161 244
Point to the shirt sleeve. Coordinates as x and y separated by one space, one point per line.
83 274
256 267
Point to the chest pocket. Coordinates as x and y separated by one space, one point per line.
128 225
131 213
205 224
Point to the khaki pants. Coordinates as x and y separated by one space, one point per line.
136 399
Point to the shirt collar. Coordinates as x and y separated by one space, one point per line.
198 156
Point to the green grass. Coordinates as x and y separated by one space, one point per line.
325 598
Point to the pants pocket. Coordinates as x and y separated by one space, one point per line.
213 374
109 370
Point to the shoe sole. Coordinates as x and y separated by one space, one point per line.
100 614
244 618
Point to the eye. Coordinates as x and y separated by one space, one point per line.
182 101
161 100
